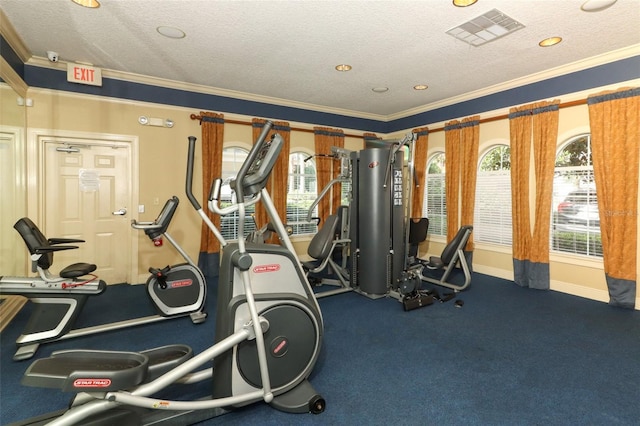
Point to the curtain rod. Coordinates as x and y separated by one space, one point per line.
248 123
506 116
439 129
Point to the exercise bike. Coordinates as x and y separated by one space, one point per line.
268 333
175 289
59 299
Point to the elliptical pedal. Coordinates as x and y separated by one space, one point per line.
102 371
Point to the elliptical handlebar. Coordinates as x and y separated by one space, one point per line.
189 191
222 211
189 182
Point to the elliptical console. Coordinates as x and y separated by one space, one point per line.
259 167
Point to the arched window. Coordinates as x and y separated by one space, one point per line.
435 205
575 226
492 217
232 159
301 192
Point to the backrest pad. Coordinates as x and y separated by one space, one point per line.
460 240
34 239
320 245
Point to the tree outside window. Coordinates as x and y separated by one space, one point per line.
492 217
575 226
435 206
232 159
301 192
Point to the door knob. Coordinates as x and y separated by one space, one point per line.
120 212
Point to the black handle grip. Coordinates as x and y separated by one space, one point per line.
190 165
255 150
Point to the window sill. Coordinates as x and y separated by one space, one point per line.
301 238
495 248
577 260
437 239
554 257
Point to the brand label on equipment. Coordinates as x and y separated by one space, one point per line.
279 346
373 164
266 268
91 383
180 283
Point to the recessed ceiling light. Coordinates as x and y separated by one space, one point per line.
171 32
420 87
380 89
551 41
87 3
343 67
463 3
596 5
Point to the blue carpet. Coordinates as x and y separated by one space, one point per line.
509 356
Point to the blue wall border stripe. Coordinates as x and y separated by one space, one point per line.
601 75
12 58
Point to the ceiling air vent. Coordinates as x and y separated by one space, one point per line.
485 28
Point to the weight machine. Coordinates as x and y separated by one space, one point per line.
333 235
381 258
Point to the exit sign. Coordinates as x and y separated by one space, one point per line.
84 74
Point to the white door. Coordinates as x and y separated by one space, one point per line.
13 252
86 190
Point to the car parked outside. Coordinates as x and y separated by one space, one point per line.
579 212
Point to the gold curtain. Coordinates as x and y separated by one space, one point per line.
520 140
614 118
212 140
326 169
469 141
452 176
461 165
277 183
420 165
535 124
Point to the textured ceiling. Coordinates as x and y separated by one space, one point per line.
287 50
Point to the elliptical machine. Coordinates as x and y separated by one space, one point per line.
175 289
268 333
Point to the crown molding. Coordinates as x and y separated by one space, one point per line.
608 57
616 55
12 78
11 36
208 90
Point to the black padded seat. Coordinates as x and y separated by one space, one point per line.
321 245
38 244
449 253
78 270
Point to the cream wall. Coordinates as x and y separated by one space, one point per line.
162 154
162 160
12 185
